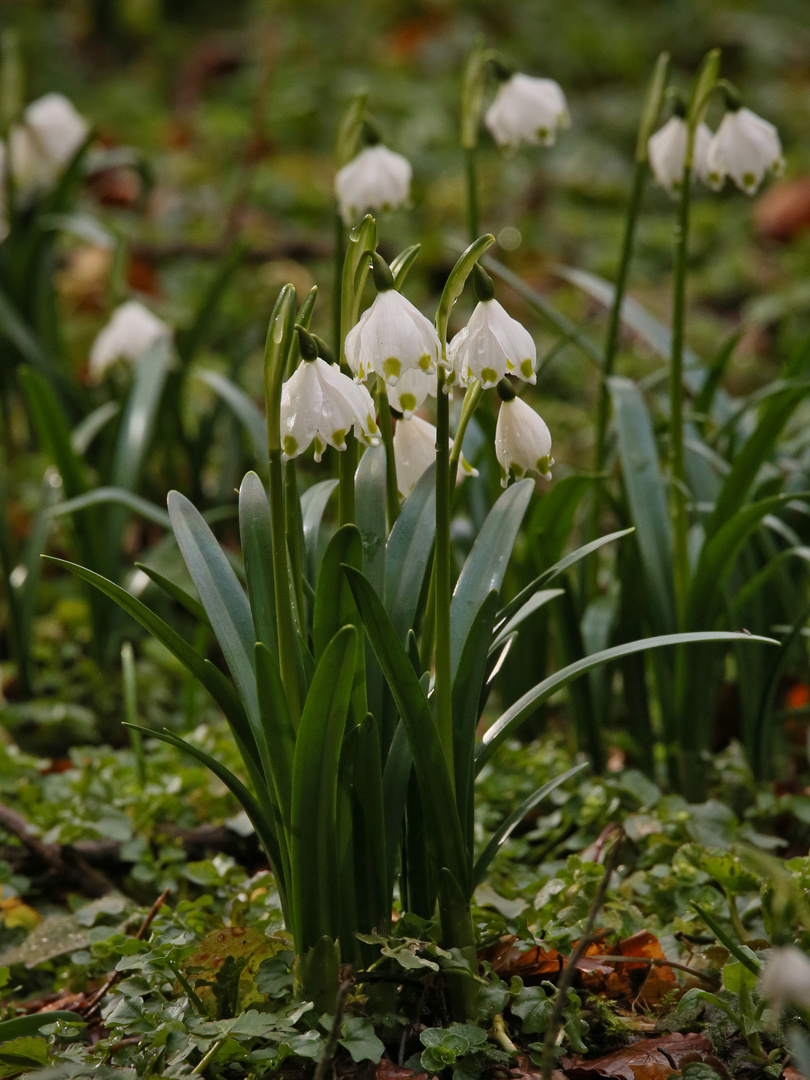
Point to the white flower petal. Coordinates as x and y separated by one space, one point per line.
411 391
415 451
785 978
666 150
391 338
132 329
492 344
321 404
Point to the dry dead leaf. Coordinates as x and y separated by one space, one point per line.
639 1061
387 1070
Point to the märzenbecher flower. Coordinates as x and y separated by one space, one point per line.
522 440
666 150
745 147
376 179
527 110
320 405
392 336
492 343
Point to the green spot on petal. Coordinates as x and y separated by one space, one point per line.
749 180
489 375
339 438
392 368
424 362
407 402
290 446
542 133
526 369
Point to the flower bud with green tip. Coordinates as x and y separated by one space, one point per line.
522 440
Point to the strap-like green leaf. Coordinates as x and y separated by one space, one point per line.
251 417
120 496
534 603
221 594
373 887
257 549
176 592
467 687
279 732
508 826
646 494
140 414
523 708
313 505
369 513
486 564
313 834
430 765
407 553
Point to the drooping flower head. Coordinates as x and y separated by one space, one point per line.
415 451
377 179
392 336
785 978
527 110
132 329
492 343
320 405
745 147
666 150
412 390
522 440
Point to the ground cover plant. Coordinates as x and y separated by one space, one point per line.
405 760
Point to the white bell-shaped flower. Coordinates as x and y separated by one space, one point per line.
666 150
132 329
522 441
785 978
391 338
376 179
411 392
527 110
43 143
320 405
415 451
745 147
491 345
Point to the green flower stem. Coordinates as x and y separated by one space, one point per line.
471 173
337 282
615 320
279 342
443 591
680 521
472 399
293 530
387 431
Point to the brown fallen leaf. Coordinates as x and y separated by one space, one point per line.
640 1061
508 959
527 1070
387 1070
784 210
645 983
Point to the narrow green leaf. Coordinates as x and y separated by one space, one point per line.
373 887
435 783
468 684
555 571
402 263
140 413
257 549
486 564
279 732
176 592
396 778
20 1026
334 601
647 496
534 603
221 594
85 432
248 414
508 826
313 505
522 709
456 279
190 339
104 496
408 551
552 517
369 513
725 939
719 554
313 848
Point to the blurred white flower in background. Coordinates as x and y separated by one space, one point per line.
377 179
43 143
666 150
785 978
527 110
132 329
